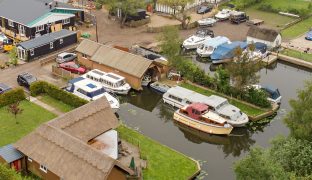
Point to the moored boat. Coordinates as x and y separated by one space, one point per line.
200 117
225 52
274 96
198 38
160 87
208 47
146 80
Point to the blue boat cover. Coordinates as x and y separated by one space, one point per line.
261 47
215 42
73 81
274 92
225 51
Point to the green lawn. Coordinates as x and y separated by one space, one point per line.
59 105
297 29
284 5
272 20
31 117
297 54
249 110
163 162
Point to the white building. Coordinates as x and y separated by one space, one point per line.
270 37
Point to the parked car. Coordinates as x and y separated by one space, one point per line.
309 36
4 88
207 22
238 17
73 67
204 9
65 57
26 79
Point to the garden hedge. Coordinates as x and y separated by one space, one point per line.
42 87
11 97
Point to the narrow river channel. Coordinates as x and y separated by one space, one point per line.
146 112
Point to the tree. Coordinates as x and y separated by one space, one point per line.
127 7
222 80
170 42
10 174
13 56
244 70
299 119
15 110
180 11
259 165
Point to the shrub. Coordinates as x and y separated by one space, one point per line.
41 87
11 97
256 97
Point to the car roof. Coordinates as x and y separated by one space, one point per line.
4 86
65 53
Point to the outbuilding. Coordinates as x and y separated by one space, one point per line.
108 59
272 38
11 157
43 45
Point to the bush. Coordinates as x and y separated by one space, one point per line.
256 97
11 97
41 87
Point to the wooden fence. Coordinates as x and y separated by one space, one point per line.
62 72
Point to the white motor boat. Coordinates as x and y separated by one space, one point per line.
160 87
208 47
111 82
224 14
197 39
207 22
146 80
274 96
91 90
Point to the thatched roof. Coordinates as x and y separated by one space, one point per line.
88 47
61 144
87 121
262 33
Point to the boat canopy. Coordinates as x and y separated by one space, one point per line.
274 92
260 47
215 42
225 51
199 106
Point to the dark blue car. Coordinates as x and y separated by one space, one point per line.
4 88
309 36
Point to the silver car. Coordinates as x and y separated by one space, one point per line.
65 57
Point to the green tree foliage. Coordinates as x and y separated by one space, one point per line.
170 44
294 155
10 174
15 109
13 57
258 166
299 119
179 7
127 7
244 71
222 80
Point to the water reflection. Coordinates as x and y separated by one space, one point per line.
239 140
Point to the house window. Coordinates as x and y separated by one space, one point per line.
61 41
66 21
10 23
32 52
29 159
43 168
84 56
51 45
39 28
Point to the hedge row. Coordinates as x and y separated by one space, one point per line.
42 87
11 97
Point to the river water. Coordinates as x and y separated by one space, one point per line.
146 112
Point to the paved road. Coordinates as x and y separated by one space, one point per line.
8 76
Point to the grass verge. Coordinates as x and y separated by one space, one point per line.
297 29
59 105
163 162
249 110
297 54
31 117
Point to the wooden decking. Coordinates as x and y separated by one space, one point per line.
269 59
10 34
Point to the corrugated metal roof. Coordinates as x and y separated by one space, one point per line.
10 153
26 11
88 47
120 60
46 39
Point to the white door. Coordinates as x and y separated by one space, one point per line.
21 30
21 53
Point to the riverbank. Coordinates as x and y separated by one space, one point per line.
253 112
162 161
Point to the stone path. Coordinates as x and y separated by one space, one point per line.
45 106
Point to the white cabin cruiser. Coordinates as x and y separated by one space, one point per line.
207 48
91 90
197 39
146 80
179 97
224 14
110 81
